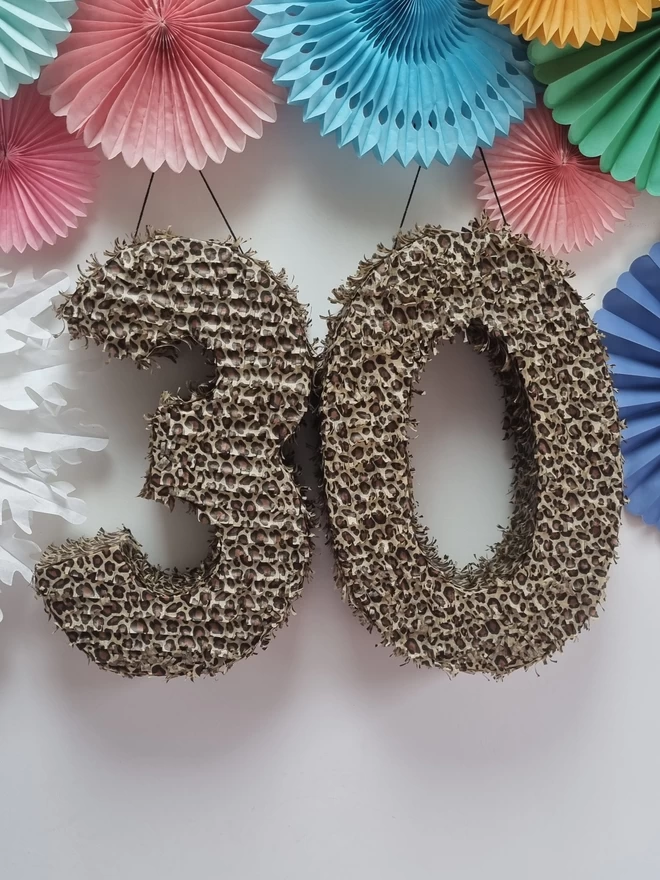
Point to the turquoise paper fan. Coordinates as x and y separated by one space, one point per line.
415 79
29 33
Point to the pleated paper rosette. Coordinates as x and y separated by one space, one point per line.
420 81
547 189
30 31
163 81
46 174
573 22
609 95
630 322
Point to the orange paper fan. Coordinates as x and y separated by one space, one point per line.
572 22
547 189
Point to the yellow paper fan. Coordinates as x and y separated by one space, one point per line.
573 22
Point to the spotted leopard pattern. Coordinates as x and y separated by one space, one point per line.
544 581
219 449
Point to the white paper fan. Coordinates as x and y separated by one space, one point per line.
39 430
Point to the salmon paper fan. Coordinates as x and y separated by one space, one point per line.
162 81
571 22
547 189
46 174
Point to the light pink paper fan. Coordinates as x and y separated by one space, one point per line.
172 81
548 190
46 174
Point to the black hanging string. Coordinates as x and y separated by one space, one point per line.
144 203
492 184
217 204
410 197
211 193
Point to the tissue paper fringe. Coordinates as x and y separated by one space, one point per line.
545 580
220 448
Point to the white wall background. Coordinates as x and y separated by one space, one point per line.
323 757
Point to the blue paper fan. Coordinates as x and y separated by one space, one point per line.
29 33
415 79
630 321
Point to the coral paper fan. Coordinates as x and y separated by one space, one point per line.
46 174
416 80
29 33
548 190
172 81
610 97
571 21
630 322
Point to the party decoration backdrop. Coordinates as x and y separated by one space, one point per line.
164 81
39 431
46 174
547 189
630 320
571 21
29 33
610 97
419 81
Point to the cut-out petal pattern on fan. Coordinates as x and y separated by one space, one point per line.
419 81
39 431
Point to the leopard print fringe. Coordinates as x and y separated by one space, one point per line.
219 450
545 580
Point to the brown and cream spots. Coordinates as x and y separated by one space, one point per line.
544 581
219 450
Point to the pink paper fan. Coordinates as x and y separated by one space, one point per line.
172 81
46 174
548 190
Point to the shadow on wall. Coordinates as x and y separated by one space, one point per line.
324 664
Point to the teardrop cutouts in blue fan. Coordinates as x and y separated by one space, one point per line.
415 79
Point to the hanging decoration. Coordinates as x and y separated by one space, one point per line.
575 22
630 321
547 189
610 97
163 81
30 31
419 81
46 174
39 430
219 449
545 580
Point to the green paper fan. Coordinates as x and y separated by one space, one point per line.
610 97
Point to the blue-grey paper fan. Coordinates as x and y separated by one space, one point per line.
630 321
415 79
29 33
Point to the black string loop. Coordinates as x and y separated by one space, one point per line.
144 203
410 198
492 184
211 193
